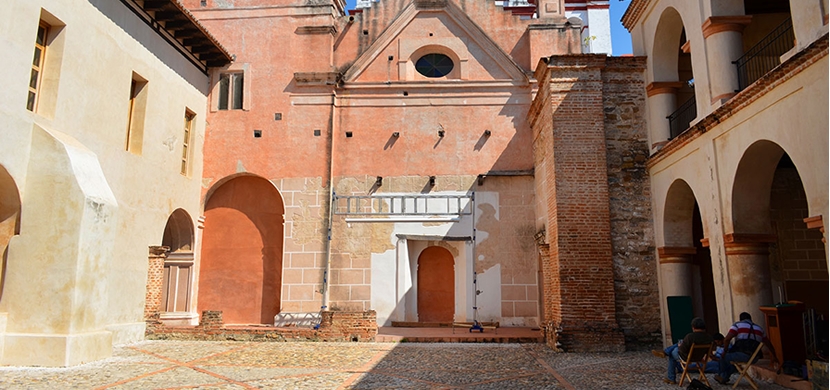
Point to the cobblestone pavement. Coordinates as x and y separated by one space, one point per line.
297 365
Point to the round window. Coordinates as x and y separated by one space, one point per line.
434 65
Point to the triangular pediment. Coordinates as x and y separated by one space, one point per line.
439 27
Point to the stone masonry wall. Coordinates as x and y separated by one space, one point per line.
335 326
632 234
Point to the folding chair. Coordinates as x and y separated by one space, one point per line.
698 356
743 368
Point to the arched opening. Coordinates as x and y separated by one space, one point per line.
767 37
178 264
436 285
9 219
686 261
769 206
673 76
241 264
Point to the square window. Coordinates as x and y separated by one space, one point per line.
231 91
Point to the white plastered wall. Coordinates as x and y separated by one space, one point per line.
793 116
394 272
90 208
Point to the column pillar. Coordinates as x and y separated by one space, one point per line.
155 280
662 101
676 270
724 44
747 257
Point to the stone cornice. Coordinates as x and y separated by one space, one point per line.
675 251
633 12
314 30
748 238
716 24
814 222
660 87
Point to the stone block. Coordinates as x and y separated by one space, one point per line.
303 260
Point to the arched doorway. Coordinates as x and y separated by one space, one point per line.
9 219
685 262
241 265
178 264
772 256
436 285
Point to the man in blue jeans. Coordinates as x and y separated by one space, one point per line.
712 366
675 355
747 336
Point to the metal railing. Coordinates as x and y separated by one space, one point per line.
680 119
766 55
403 205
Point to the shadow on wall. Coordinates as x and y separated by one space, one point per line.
9 219
241 266
125 19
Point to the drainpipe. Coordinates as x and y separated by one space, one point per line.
334 125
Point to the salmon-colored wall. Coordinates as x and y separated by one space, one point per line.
436 285
267 45
432 29
271 43
241 266
419 150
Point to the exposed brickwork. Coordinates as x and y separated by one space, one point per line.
155 281
799 253
335 326
211 319
580 274
632 233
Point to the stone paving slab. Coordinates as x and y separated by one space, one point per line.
310 365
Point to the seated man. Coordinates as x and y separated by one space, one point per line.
698 336
712 366
747 336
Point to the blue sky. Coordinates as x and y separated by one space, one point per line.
620 38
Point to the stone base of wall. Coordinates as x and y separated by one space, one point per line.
643 341
585 339
335 326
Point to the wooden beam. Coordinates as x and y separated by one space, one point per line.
177 24
155 5
163 16
202 49
186 32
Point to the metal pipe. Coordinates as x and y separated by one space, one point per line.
334 125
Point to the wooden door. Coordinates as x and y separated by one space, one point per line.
436 285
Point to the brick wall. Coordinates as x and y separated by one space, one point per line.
155 281
632 233
799 252
580 306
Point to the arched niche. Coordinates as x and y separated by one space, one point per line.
177 277
240 269
9 218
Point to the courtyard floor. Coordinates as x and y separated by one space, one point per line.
316 365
